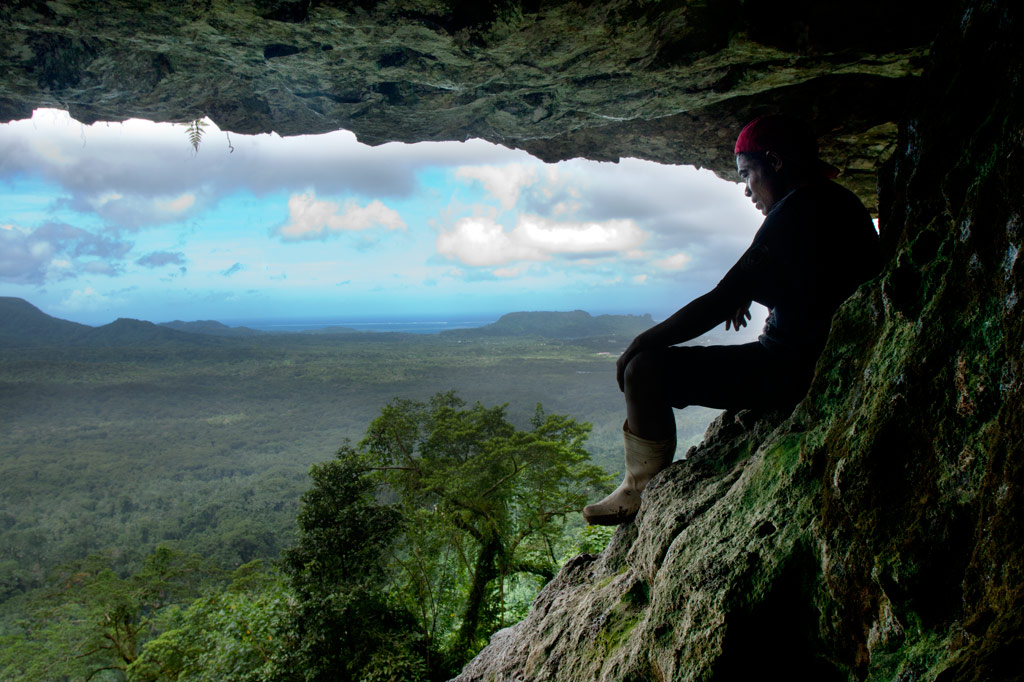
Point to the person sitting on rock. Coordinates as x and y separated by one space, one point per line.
817 244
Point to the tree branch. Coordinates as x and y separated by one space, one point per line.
99 670
459 523
525 567
515 470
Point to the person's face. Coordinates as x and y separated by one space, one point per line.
762 180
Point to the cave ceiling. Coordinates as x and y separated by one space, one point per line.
665 81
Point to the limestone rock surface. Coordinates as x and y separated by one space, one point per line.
877 532
666 81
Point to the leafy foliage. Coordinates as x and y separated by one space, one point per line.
195 131
208 449
99 619
577 324
205 449
485 504
344 620
412 548
239 634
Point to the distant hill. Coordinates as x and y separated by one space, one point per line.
210 327
128 332
577 324
22 325
215 328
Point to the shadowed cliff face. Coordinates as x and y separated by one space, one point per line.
664 81
875 533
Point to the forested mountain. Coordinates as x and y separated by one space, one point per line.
23 324
210 327
128 332
577 324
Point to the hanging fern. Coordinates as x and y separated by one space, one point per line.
195 133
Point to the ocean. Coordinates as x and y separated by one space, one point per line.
408 325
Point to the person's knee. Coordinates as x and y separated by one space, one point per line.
643 373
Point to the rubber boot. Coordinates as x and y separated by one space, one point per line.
644 458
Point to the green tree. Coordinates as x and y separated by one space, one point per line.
413 547
343 620
91 620
484 503
239 634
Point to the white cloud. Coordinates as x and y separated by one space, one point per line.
144 162
51 151
566 208
40 250
176 205
676 261
99 267
22 261
480 241
134 210
616 220
580 238
86 299
158 259
104 199
504 183
310 218
56 250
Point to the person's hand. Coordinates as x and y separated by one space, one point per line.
739 318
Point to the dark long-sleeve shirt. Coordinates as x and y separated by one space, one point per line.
814 248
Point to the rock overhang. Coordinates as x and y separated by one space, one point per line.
670 82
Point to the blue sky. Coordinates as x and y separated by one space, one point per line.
127 220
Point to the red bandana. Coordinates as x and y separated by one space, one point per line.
786 137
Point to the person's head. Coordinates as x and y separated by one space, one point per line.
775 155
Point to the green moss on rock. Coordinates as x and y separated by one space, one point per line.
877 532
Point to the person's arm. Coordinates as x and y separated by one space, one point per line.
695 318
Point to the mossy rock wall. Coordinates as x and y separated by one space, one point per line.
876 532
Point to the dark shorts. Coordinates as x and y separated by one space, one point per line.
733 377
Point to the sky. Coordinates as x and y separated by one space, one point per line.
129 220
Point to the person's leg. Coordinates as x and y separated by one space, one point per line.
648 410
644 459
655 382
744 375
649 438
